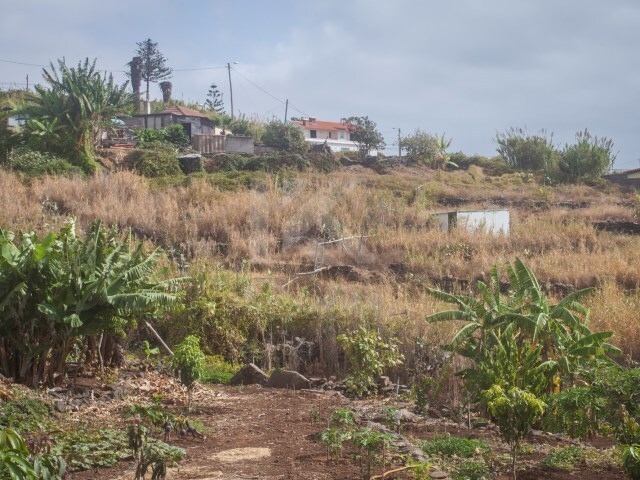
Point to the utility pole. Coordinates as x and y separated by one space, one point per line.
230 87
286 109
27 82
399 146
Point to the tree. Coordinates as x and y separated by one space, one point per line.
527 152
514 411
588 158
365 134
154 64
421 147
284 136
83 100
214 99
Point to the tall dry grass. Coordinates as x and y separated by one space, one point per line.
277 226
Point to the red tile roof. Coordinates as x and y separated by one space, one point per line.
320 125
184 111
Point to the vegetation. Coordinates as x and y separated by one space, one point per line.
160 161
63 291
69 115
214 100
590 157
368 356
450 445
284 136
365 134
188 361
153 63
525 151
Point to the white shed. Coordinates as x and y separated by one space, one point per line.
495 222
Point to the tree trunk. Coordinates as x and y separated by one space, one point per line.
514 454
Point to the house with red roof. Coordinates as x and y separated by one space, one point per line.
337 135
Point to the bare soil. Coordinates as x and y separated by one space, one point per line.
259 433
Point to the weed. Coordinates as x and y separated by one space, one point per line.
471 471
449 445
217 370
566 458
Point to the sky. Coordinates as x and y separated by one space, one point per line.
465 68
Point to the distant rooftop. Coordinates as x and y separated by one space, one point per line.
313 124
184 111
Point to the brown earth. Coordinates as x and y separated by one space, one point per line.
260 433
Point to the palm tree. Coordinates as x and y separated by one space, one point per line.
84 100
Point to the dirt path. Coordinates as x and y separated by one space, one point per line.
253 433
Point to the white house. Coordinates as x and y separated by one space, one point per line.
337 135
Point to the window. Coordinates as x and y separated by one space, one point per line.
341 135
330 135
313 133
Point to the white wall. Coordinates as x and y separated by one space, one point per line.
495 222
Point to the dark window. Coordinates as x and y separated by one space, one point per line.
313 133
330 135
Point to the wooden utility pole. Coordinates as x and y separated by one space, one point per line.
399 146
286 109
230 88
27 82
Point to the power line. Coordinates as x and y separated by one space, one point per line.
268 93
23 63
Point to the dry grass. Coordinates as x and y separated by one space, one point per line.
277 226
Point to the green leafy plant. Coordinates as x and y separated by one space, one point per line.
188 361
368 356
32 162
449 445
157 162
61 289
471 471
372 448
564 458
421 391
631 461
148 351
514 411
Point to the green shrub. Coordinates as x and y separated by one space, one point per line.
217 370
631 461
25 413
175 135
564 458
368 356
32 162
448 445
155 163
188 360
284 136
471 471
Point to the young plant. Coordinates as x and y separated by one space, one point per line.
371 444
188 361
368 356
148 351
514 411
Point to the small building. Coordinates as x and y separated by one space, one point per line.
625 177
336 135
193 121
494 222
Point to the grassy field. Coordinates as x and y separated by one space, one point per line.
267 227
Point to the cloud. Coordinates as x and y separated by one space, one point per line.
468 67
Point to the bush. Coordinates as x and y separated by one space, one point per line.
217 370
284 136
590 157
368 356
36 163
173 135
527 152
155 163
448 445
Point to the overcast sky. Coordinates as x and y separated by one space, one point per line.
468 68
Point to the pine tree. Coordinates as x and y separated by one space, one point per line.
214 99
154 63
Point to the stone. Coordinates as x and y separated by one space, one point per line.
60 406
288 379
250 374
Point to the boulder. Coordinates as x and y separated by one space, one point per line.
288 379
250 374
